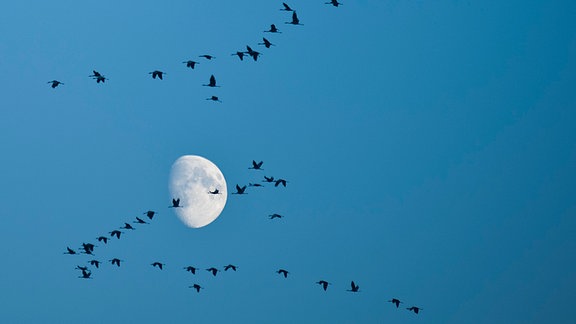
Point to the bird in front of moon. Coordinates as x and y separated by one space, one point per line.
191 179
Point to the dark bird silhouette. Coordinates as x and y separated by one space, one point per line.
102 239
335 3
273 29
55 83
212 82
69 251
95 74
295 20
395 301
268 179
158 74
88 248
100 79
239 190
254 185
214 98
230 266
286 7
175 203
324 284
254 54
139 221
196 286
354 287
240 55
158 264
266 43
213 270
191 269
208 57
283 272
414 309
82 268
150 213
116 233
256 166
215 192
191 64
127 226
275 216
280 181
95 263
115 261
85 274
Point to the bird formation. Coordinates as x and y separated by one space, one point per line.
88 248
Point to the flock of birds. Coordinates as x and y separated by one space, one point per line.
88 248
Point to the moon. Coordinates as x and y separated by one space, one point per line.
191 179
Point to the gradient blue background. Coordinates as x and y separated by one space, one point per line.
429 145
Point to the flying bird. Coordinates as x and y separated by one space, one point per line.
140 221
115 261
395 301
215 192
82 268
88 248
175 203
127 226
324 284
254 54
214 98
150 213
286 7
85 274
191 64
354 287
254 185
273 29
266 43
240 55
256 166
208 57
239 190
196 286
191 269
98 76
268 179
55 83
230 266
116 233
157 73
95 263
213 270
335 3
283 272
414 309
212 82
158 264
280 181
295 20
102 239
275 216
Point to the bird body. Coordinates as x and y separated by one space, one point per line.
191 64
240 190
283 272
324 284
395 302
280 182
150 213
115 261
354 287
116 233
191 269
102 239
214 98
240 55
212 82
157 74
213 270
158 264
140 221
208 57
256 165
175 203
414 309
275 216
335 3
55 83
295 20
266 43
86 274
286 7
95 263
230 266
196 286
268 179
273 29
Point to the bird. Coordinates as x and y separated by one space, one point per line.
335 3
150 213
395 301
116 233
196 286
273 29
158 264
82 268
254 185
324 284
239 190
240 55
191 269
214 98
268 179
55 83
414 309
280 181
175 203
254 54
283 272
286 7
256 166
208 57
95 263
85 274
69 251
215 192
266 43
98 76
139 221
354 287
100 79
102 239
191 64
295 20
275 216
212 82
127 226
230 266
213 270
115 261
157 73
88 248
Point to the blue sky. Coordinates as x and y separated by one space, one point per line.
429 145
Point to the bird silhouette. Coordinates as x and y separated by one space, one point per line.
115 261
283 272
395 301
127 226
286 7
275 216
295 20
254 185
280 181
268 179
55 83
150 213
273 29
266 43
414 309
98 76
208 57
212 82
175 203
95 263
215 192
191 64
230 266
196 286
335 3
82 268
214 98
240 55
191 269
240 190
158 74
140 221
85 274
158 264
116 233
256 166
324 284
213 270
88 248
254 54
354 287
102 239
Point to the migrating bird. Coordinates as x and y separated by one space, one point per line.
239 191
335 3
98 76
102 239
280 181
85 274
191 64
283 272
212 82
414 309
215 192
268 179
158 264
150 213
214 98
254 185
208 57
140 221
295 20
157 73
286 7
256 166
95 263
88 248
175 203
115 261
213 270
196 286
252 53
324 284
230 266
116 233
127 226
55 83
266 43
395 301
354 287
273 29
82 268
240 55
191 269
275 216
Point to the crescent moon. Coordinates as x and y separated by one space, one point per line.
191 179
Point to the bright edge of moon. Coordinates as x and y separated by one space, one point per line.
191 179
